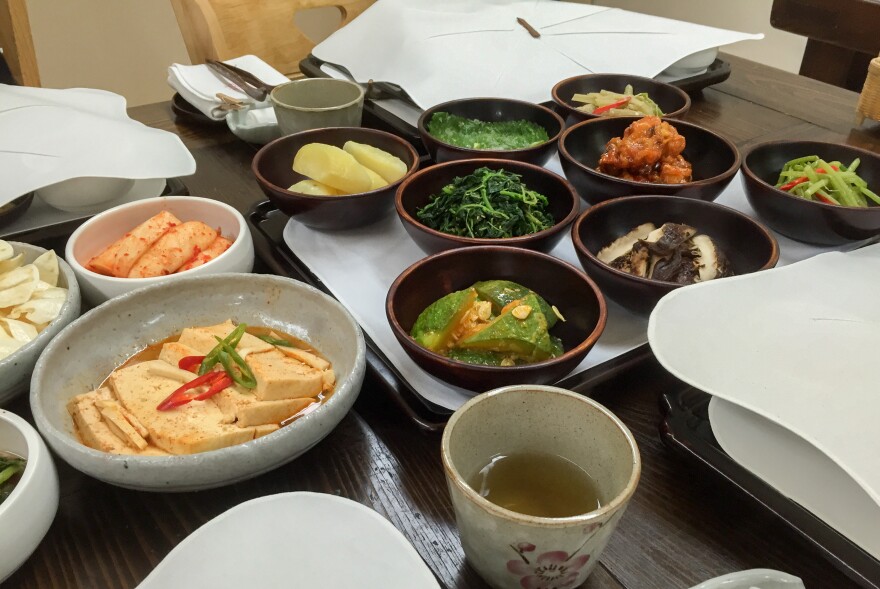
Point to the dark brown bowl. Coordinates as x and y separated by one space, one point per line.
493 109
715 161
749 246
560 283
273 168
801 219
416 191
673 101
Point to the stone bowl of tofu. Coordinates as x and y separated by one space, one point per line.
624 243
198 383
156 240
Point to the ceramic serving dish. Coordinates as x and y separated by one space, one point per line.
714 158
417 190
15 369
25 516
749 246
753 579
82 356
673 101
86 194
559 283
272 166
805 220
337 543
492 110
93 236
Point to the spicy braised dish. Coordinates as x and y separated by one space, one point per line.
161 245
351 169
492 323
30 297
649 151
673 253
487 204
203 389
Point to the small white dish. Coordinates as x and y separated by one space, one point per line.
96 234
693 64
84 195
294 540
16 369
753 579
28 512
79 359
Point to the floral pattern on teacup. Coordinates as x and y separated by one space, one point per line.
555 569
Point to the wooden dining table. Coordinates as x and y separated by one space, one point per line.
682 527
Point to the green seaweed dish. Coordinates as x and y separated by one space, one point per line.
477 134
487 204
492 323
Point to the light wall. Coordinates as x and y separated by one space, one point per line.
126 45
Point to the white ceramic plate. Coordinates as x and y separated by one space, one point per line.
798 470
294 540
753 579
794 345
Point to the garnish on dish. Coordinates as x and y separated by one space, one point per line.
487 135
355 168
11 469
487 204
614 104
30 297
492 323
161 245
204 389
673 253
833 183
649 151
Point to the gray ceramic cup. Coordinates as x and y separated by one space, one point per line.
314 103
511 550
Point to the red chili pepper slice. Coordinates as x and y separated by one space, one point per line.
824 198
190 362
788 186
612 106
216 387
180 397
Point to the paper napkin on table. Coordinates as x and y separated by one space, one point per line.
440 51
199 86
48 136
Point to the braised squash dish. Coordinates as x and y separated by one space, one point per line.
207 388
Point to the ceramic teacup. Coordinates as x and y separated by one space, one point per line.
314 103
511 550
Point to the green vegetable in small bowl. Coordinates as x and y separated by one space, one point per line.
489 204
476 134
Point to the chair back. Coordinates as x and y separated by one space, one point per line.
17 43
223 29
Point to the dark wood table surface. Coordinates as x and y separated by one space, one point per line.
679 530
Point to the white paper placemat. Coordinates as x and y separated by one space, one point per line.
439 51
359 265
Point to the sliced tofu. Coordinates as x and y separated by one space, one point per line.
265 430
246 410
121 427
203 339
195 427
280 377
328 379
106 399
92 429
172 352
306 358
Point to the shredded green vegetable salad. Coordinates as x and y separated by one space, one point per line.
477 134
813 178
487 204
614 104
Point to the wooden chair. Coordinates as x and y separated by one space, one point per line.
223 29
17 43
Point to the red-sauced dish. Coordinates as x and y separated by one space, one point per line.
649 151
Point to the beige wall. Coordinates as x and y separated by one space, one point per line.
126 45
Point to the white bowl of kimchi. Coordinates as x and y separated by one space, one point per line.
156 240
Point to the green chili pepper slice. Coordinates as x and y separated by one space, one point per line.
212 357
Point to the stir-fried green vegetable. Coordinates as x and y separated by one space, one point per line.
476 134
813 178
9 467
487 204
613 104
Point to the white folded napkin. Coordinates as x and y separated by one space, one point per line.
199 86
